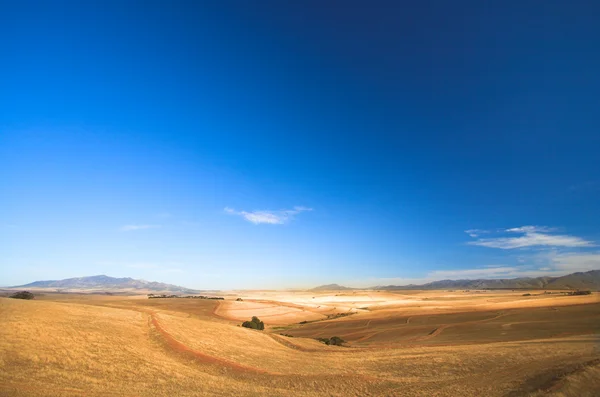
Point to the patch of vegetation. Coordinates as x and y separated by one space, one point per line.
526 294
22 295
255 323
338 315
334 340
239 300
153 296
288 335
329 317
580 293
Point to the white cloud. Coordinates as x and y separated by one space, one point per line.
129 228
268 217
576 262
532 236
489 272
531 229
474 232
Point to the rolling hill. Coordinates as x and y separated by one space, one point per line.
106 283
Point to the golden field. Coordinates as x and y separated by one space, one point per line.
399 343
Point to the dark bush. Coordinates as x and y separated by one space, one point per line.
334 340
239 300
255 323
526 294
581 293
22 295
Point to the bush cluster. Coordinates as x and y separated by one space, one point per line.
334 340
22 295
255 323
581 293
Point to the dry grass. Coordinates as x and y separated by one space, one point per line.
73 345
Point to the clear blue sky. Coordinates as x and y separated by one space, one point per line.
269 144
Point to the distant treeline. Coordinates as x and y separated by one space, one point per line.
153 296
568 293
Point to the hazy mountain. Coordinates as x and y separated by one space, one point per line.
588 280
330 287
107 283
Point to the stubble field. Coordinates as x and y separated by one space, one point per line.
405 343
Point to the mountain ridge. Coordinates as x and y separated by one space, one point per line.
330 287
104 282
578 280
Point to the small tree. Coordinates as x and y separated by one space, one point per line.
255 323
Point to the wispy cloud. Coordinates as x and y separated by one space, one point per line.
475 232
269 217
129 228
576 262
488 271
531 236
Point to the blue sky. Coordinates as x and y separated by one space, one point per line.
275 145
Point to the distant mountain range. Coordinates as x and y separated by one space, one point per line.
330 287
583 281
106 283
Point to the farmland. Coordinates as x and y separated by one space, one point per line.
396 343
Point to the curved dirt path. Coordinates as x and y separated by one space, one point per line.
179 347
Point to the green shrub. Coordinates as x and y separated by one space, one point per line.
334 340
581 293
255 323
22 295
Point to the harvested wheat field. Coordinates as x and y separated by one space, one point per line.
407 343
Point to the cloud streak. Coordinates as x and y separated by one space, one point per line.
130 228
268 217
531 236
